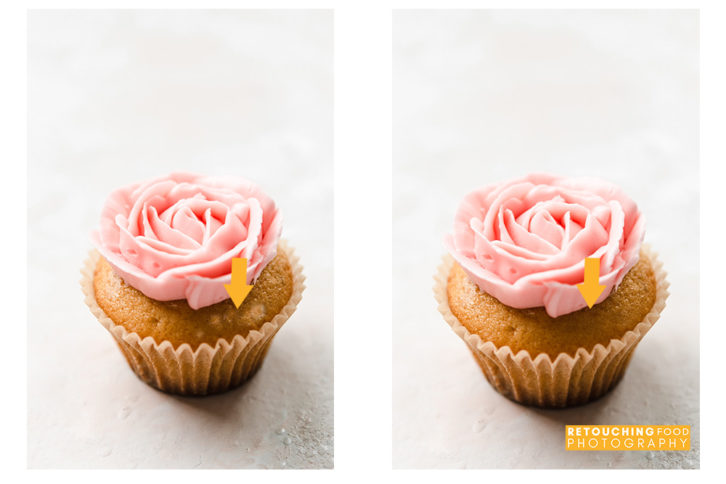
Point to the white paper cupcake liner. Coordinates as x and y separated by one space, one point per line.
568 380
207 369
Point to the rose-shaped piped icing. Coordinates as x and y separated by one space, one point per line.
525 241
175 237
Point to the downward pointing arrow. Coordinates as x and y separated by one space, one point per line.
591 289
238 289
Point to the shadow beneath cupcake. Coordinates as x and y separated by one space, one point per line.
220 405
587 413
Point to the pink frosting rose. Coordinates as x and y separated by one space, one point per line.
525 241
174 237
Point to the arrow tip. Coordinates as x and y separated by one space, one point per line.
238 289
238 293
590 293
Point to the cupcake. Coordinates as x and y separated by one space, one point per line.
157 280
510 286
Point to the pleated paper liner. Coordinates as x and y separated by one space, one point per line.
207 369
566 381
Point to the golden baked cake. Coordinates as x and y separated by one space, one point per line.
161 277
178 323
534 330
513 286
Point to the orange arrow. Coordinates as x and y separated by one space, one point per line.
238 289
591 289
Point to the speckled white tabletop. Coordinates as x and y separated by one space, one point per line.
481 97
117 97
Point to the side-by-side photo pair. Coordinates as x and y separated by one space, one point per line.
545 240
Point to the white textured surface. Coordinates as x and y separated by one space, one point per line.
117 97
481 97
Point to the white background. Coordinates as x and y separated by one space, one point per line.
118 97
482 97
